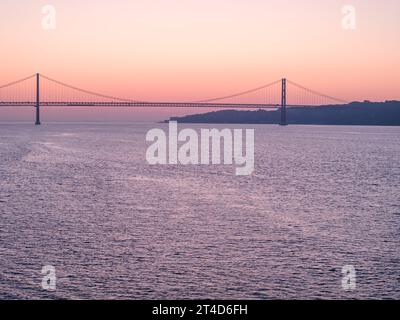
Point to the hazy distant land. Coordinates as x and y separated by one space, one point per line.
356 113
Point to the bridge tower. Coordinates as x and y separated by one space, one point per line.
37 100
283 104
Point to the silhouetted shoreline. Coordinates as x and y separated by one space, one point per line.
356 113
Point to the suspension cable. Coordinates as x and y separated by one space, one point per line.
317 93
16 82
238 94
89 92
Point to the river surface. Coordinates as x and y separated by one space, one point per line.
82 198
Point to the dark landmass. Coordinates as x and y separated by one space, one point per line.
356 113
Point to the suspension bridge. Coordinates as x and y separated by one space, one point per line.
41 91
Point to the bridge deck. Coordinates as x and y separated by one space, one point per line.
139 104
149 104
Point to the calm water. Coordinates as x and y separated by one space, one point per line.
82 198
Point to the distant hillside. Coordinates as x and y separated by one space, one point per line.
356 113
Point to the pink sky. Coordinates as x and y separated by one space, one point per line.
190 50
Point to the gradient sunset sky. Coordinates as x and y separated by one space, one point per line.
192 49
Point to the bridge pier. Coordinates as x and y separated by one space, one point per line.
37 101
283 104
